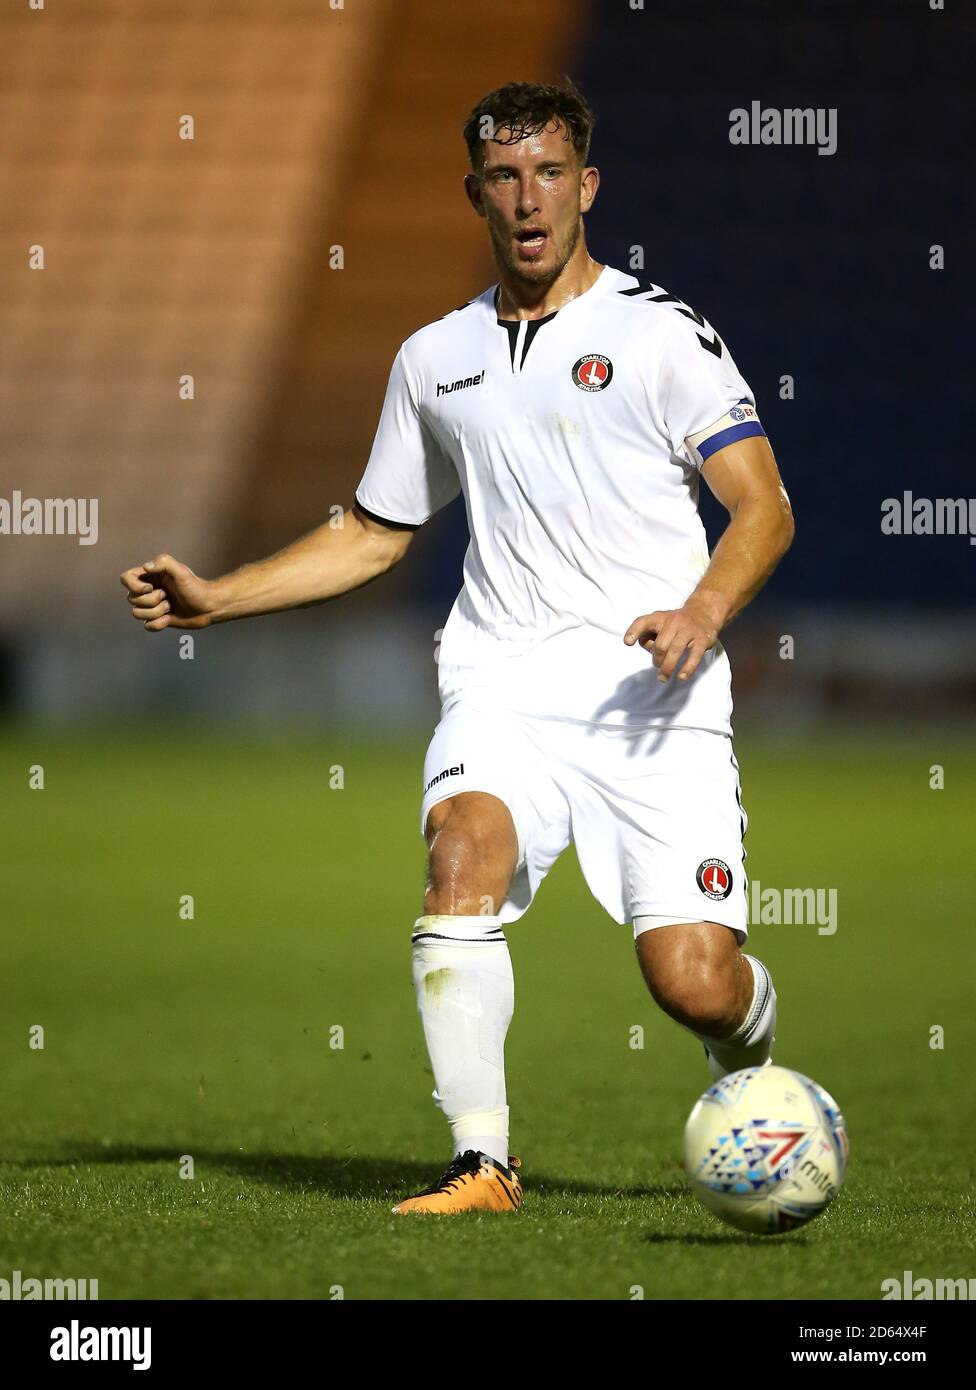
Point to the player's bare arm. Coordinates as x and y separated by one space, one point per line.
329 561
745 479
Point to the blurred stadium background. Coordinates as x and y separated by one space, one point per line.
326 133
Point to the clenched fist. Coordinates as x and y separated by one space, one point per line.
164 593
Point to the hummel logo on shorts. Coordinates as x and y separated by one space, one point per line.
448 772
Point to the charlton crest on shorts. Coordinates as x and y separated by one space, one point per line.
593 372
714 879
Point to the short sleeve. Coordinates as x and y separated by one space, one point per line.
706 403
408 477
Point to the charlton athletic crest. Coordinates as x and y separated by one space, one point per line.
714 879
593 372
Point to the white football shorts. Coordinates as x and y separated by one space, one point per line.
655 814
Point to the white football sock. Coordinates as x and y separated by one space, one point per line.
751 1044
462 973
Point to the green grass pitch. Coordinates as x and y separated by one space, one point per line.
213 1037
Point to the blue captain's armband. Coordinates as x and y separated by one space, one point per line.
741 422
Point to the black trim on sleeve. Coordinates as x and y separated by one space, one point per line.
713 345
388 521
466 305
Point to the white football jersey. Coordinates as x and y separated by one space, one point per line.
576 440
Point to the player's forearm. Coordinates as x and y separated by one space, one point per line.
322 565
752 545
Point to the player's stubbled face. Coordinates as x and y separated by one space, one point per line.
531 198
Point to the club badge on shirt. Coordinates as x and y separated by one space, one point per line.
593 372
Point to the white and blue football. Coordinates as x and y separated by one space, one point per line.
766 1149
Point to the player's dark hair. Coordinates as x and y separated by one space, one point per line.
528 108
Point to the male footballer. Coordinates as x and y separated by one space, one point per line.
585 693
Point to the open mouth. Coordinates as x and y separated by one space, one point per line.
531 240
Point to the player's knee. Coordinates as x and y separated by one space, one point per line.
694 981
473 848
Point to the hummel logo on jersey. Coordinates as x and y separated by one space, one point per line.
448 772
460 385
593 372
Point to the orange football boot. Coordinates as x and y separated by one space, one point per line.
472 1182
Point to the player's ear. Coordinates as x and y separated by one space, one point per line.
472 187
589 183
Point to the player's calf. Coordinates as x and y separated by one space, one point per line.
698 975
